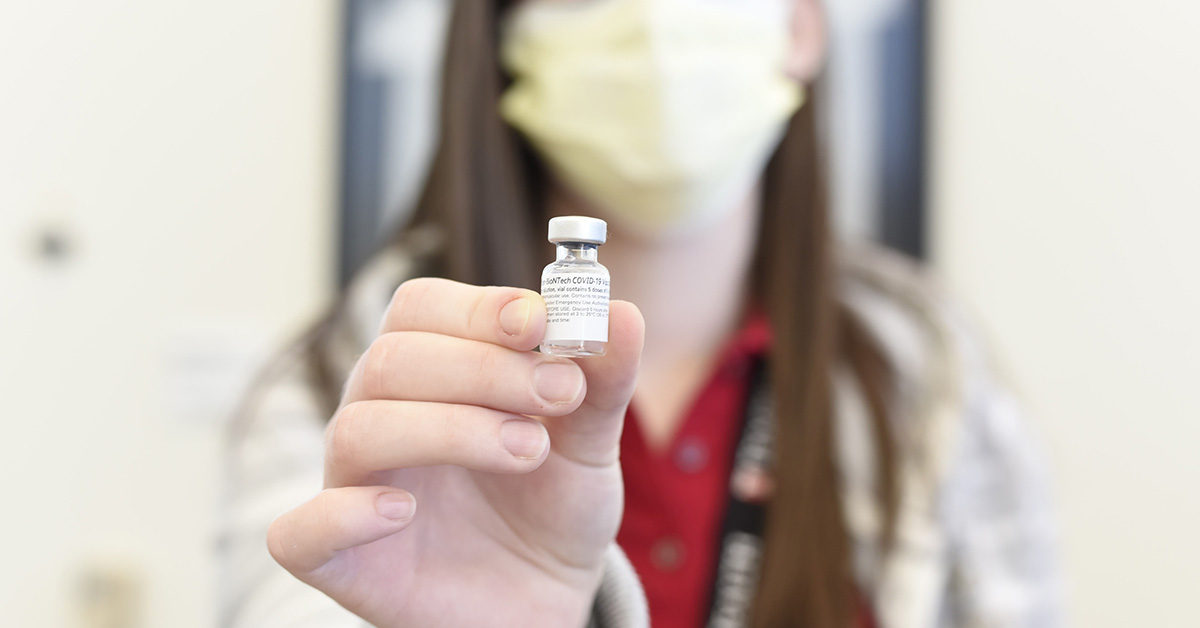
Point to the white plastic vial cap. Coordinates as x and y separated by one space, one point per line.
578 229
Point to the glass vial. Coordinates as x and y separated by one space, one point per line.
575 288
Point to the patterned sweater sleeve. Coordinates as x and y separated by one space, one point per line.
976 542
273 462
1004 564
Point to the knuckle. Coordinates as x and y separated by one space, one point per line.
479 315
278 543
348 433
377 360
412 289
490 373
411 295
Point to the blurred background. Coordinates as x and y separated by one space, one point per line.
183 187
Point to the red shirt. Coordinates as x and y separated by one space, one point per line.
675 499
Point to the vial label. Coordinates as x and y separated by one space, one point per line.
576 306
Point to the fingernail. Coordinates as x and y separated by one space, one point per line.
524 439
514 316
556 382
396 506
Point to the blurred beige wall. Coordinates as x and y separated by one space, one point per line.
1066 196
181 155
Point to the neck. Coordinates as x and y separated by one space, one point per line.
691 290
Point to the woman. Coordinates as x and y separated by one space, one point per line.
813 440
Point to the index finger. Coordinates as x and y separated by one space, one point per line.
510 317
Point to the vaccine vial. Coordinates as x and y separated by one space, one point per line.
575 288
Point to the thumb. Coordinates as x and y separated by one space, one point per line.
306 538
592 433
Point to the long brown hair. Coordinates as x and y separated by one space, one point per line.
484 191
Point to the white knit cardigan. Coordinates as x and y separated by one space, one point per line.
975 544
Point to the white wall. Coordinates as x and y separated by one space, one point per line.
186 149
1066 137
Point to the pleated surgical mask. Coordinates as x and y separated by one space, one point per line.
661 113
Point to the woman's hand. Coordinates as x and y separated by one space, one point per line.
515 513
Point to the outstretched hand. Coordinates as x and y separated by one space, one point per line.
469 480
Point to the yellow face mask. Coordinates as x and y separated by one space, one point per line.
661 113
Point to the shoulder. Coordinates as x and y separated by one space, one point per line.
946 382
914 320
970 465
942 367
942 362
932 354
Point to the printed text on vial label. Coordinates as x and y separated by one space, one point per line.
576 307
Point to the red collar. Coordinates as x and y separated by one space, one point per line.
675 499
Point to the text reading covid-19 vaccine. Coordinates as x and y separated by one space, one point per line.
575 288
